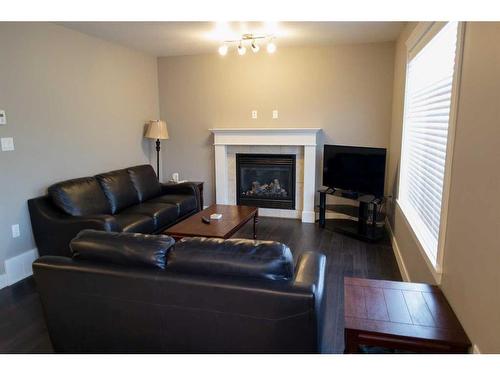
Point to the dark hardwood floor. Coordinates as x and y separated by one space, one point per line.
22 327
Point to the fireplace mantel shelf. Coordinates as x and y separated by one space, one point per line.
265 136
221 130
303 137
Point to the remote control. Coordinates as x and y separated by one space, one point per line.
206 220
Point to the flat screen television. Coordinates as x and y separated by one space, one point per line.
359 170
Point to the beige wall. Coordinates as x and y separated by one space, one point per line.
346 90
471 277
75 106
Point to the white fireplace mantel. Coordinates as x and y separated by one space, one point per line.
305 137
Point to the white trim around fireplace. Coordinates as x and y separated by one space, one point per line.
305 137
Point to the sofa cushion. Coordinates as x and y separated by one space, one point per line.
80 197
145 181
135 223
163 214
119 189
122 248
184 203
234 257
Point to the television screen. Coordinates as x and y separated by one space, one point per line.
354 169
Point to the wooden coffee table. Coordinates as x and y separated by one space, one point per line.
233 218
407 316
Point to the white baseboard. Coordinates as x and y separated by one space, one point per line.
308 216
19 267
274 212
290 214
397 252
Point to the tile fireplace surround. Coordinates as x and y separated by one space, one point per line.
299 141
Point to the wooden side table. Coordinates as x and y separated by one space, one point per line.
397 315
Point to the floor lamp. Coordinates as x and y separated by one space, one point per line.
157 129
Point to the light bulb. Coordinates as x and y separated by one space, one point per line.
255 47
271 47
241 50
223 50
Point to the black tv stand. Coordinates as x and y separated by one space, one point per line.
348 194
364 228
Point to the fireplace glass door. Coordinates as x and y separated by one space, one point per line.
266 180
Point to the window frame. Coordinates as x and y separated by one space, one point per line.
423 33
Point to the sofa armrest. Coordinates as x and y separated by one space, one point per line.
310 271
187 188
53 229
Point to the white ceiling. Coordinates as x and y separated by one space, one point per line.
191 38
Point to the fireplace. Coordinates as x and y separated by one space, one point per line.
265 180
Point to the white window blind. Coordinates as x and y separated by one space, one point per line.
428 95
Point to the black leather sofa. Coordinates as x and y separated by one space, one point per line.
126 200
133 293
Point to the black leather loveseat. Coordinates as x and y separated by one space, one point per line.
126 200
131 293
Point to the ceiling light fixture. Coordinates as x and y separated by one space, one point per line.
241 50
271 47
249 39
255 47
223 50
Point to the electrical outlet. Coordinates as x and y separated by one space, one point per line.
275 114
254 114
3 117
15 231
7 144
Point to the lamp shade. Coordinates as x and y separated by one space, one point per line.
157 129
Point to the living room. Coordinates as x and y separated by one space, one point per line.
298 186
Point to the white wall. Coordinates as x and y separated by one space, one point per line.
76 106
